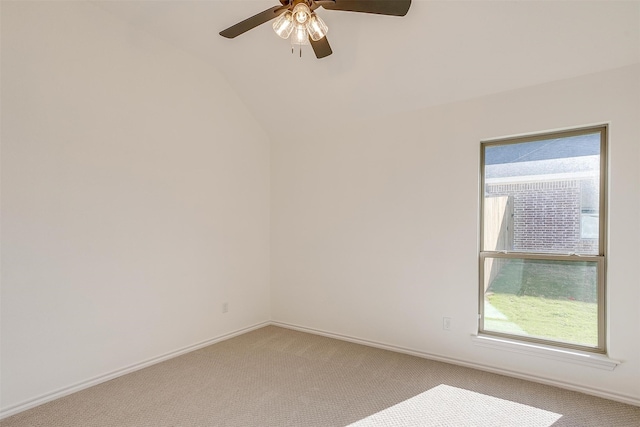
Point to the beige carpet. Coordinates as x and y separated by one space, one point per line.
278 377
451 406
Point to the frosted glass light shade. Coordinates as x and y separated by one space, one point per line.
316 27
300 35
301 13
283 26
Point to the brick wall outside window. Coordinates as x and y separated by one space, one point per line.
546 216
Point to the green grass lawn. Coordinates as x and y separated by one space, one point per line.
554 300
568 280
563 320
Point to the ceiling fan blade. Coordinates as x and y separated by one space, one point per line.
321 47
381 7
254 21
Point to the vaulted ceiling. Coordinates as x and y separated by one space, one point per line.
441 52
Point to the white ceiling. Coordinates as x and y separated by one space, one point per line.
441 52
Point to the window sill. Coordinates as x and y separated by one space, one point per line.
566 355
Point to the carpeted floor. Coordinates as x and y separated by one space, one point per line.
451 406
279 377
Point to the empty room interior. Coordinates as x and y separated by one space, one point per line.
433 220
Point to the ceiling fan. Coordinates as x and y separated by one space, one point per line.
297 18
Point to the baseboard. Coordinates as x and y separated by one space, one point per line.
605 394
48 397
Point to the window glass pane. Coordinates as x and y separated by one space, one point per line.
590 204
543 196
589 224
544 299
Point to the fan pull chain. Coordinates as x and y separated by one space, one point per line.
293 49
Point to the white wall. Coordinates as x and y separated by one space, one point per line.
135 200
375 225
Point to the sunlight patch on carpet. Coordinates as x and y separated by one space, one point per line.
450 406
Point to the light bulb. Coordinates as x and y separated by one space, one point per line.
301 12
300 35
283 26
316 27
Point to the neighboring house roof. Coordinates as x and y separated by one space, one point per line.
567 168
573 146
560 158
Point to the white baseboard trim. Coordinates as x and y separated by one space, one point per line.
605 394
56 394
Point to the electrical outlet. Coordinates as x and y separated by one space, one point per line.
446 323
225 307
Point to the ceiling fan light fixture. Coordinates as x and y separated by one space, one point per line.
284 25
301 12
316 27
299 36
297 19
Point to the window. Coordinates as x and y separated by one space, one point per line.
542 259
589 223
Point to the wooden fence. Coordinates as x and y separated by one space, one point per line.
498 233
